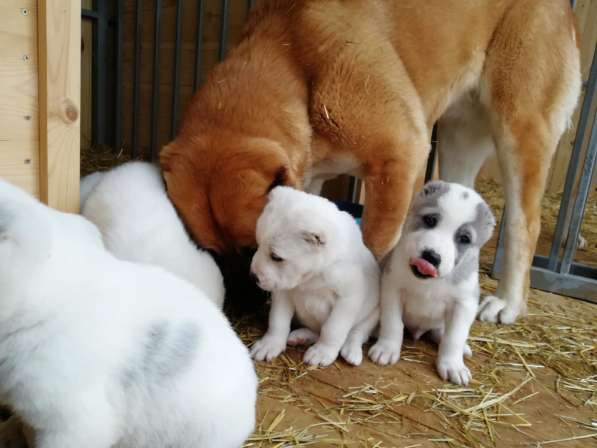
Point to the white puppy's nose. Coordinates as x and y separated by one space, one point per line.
432 257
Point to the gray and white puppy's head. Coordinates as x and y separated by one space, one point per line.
445 230
298 234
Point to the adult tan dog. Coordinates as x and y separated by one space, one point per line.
317 88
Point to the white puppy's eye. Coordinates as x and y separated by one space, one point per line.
275 257
464 239
430 221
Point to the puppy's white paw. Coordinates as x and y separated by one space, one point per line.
494 309
267 348
320 355
302 336
467 352
352 353
453 370
385 352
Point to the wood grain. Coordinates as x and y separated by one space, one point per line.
19 155
59 25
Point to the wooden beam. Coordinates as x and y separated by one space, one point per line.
59 47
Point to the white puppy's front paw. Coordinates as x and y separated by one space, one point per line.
494 309
352 353
267 348
453 370
385 352
320 355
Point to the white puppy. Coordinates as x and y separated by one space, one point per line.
431 281
96 352
312 258
130 206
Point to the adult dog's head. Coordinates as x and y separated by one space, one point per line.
220 184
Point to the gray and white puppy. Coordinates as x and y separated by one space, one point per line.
431 280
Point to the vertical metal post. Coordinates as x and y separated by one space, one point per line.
176 75
198 45
224 30
100 33
432 155
118 78
581 200
563 214
137 76
155 89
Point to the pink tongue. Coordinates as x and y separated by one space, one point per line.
424 267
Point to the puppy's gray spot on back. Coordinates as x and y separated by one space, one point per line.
465 195
169 350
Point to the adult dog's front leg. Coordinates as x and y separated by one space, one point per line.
389 186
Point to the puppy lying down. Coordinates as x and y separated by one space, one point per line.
311 256
138 223
431 281
96 352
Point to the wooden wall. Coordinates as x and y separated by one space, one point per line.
39 92
19 114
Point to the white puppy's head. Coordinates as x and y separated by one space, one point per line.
446 227
298 235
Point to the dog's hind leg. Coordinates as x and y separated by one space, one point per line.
465 141
530 87
302 336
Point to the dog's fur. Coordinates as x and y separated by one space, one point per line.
138 223
99 352
431 280
311 256
322 87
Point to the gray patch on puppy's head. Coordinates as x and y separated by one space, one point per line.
428 197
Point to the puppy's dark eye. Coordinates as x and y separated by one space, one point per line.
430 221
464 239
276 258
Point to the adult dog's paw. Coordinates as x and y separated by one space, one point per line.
453 370
352 353
385 352
494 309
320 355
267 348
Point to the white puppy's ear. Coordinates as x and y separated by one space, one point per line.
314 238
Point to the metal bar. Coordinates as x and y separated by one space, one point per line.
563 214
99 74
432 155
581 200
198 45
155 88
223 30
89 14
137 77
573 3
176 75
118 78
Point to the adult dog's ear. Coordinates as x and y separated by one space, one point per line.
188 191
314 238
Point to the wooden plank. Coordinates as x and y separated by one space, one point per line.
59 43
19 156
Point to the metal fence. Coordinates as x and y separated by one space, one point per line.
557 272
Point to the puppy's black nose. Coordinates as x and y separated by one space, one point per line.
432 257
